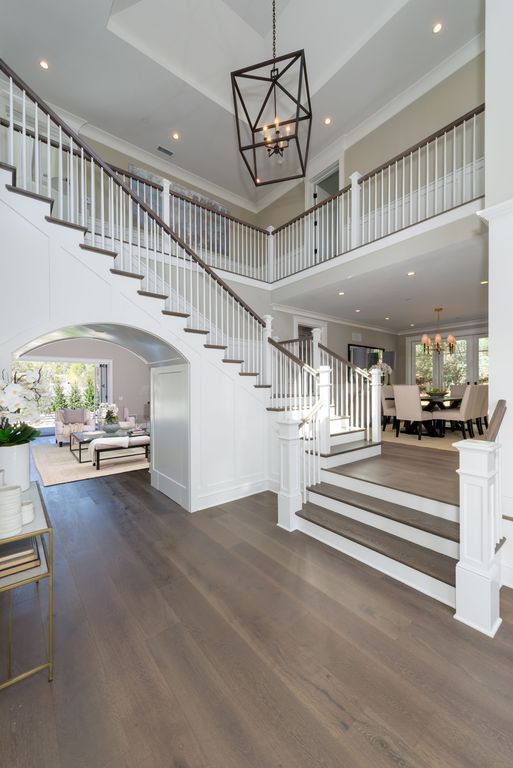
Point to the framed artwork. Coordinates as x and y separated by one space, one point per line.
363 356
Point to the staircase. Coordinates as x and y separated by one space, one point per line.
328 408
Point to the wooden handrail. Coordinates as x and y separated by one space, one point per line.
121 183
455 123
313 208
343 360
289 341
140 179
495 421
310 414
209 208
277 345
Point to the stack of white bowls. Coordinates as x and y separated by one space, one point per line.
10 511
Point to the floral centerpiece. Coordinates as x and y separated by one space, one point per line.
108 414
19 399
385 369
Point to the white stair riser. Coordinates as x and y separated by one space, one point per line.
347 437
348 458
430 506
407 532
440 591
338 424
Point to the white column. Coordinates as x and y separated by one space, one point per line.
290 499
324 413
166 202
356 210
266 357
478 570
270 255
316 352
376 405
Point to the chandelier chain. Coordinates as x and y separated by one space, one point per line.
274 29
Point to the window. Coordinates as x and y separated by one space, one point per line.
455 366
423 369
468 363
483 359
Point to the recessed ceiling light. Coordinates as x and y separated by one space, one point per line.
43 64
175 136
387 318
358 310
437 28
327 120
484 282
410 274
341 293
412 325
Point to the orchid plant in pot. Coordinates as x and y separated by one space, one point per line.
385 369
108 414
18 405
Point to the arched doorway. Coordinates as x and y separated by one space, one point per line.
167 389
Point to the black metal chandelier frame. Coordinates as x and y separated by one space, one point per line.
285 131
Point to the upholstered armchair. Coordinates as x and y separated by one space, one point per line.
69 420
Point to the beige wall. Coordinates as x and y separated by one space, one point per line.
450 99
130 384
120 160
284 209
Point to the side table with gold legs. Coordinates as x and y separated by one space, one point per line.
41 530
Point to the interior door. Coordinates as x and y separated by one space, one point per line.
170 432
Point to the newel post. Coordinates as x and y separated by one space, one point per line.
166 202
316 352
478 570
356 210
266 357
324 413
290 499
270 255
376 405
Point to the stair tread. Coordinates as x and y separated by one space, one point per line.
64 223
356 445
438 526
96 249
434 564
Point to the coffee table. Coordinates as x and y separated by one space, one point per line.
79 441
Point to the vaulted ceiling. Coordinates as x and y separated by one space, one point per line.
142 69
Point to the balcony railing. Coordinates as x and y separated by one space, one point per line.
438 174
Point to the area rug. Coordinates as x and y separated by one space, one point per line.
57 465
442 443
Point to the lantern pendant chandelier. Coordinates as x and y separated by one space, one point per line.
273 114
438 345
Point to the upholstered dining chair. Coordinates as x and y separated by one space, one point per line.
483 408
464 415
408 407
387 405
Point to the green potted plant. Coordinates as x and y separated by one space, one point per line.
108 413
18 405
437 394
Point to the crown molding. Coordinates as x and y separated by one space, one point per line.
290 310
477 325
462 56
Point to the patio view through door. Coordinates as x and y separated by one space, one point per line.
467 364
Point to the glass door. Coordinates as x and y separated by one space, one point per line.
423 368
454 369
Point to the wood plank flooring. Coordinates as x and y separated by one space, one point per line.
217 640
426 472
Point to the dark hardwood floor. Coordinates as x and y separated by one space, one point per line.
217 640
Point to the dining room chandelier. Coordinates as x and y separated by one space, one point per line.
273 115
438 345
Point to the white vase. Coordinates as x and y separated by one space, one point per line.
15 461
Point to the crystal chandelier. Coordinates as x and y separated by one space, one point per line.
437 344
273 115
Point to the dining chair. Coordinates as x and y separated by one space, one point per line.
388 405
458 390
482 415
408 408
463 415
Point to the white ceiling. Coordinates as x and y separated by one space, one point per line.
145 68
448 277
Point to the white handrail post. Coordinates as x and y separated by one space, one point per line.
266 357
316 352
290 499
478 570
270 255
376 405
324 412
166 201
356 210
